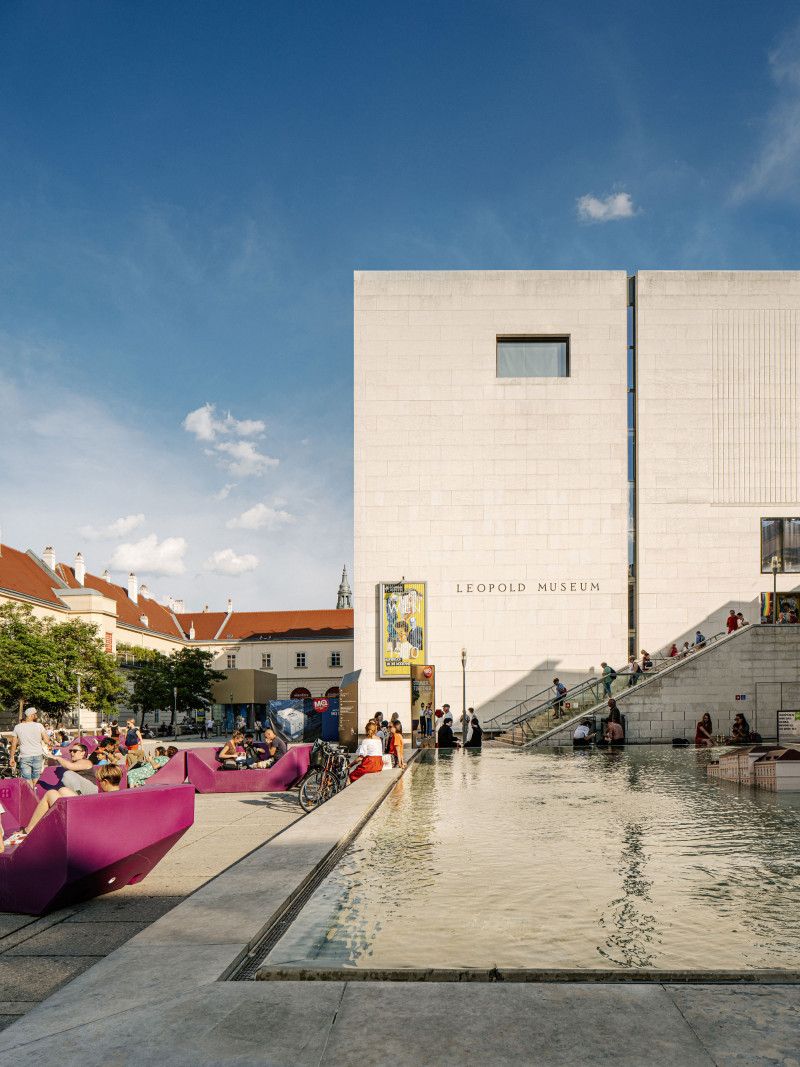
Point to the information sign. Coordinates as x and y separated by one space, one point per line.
789 727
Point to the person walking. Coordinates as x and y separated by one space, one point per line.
558 702
732 621
634 670
608 677
31 737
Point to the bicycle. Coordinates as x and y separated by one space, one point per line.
327 774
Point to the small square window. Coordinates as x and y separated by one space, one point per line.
533 357
266 659
231 662
301 659
336 659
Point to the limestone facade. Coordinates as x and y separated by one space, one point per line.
480 485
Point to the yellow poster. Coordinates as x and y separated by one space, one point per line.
401 628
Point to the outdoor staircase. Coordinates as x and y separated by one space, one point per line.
533 719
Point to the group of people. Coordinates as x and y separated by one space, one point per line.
612 732
241 752
741 734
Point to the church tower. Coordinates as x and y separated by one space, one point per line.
344 599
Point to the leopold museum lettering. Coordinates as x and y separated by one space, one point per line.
520 587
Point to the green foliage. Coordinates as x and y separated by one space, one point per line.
187 671
40 660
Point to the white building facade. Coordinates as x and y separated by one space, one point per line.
576 463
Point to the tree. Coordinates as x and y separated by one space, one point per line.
152 689
41 660
192 677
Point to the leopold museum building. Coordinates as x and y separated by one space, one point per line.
557 468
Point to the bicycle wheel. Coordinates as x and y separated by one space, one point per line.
310 792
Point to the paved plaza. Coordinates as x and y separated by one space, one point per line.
138 977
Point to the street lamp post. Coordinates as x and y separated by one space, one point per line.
774 589
175 711
464 695
233 726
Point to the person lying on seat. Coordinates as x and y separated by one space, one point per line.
108 778
78 773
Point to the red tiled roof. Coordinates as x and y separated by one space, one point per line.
159 619
206 624
331 622
20 573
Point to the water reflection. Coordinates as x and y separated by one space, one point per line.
627 858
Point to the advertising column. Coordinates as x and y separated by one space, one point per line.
423 704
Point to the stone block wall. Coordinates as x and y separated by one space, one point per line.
760 664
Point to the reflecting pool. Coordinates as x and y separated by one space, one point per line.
586 859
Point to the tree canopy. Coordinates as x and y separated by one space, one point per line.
179 681
41 660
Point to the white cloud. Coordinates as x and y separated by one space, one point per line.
224 492
774 172
118 528
614 206
204 424
225 561
245 458
149 557
259 516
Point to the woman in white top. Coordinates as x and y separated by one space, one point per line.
371 752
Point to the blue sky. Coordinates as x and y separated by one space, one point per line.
187 187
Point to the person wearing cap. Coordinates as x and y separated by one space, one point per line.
32 740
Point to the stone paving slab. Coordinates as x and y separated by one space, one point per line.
88 939
383 1024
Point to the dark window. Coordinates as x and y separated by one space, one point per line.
780 538
533 357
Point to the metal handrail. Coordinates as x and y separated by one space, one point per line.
597 683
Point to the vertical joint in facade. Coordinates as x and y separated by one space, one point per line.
631 401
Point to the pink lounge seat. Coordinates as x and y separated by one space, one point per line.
173 771
86 846
207 776
51 776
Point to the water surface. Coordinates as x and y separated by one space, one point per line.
588 859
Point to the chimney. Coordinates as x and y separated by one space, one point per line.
1 549
106 576
178 606
145 592
80 569
170 603
143 619
191 631
230 605
49 557
205 609
132 588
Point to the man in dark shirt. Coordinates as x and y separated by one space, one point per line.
276 745
445 738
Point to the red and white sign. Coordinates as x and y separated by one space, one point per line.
321 704
300 694
427 671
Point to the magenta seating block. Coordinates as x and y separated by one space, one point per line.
207 776
86 846
173 771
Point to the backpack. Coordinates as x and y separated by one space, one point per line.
611 676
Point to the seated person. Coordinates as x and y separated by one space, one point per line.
741 731
108 779
647 661
78 772
233 751
614 734
253 756
476 737
446 738
369 753
139 775
582 736
276 745
704 733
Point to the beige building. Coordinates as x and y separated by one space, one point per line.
578 464
305 653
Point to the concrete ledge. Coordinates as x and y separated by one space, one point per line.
206 937
522 974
